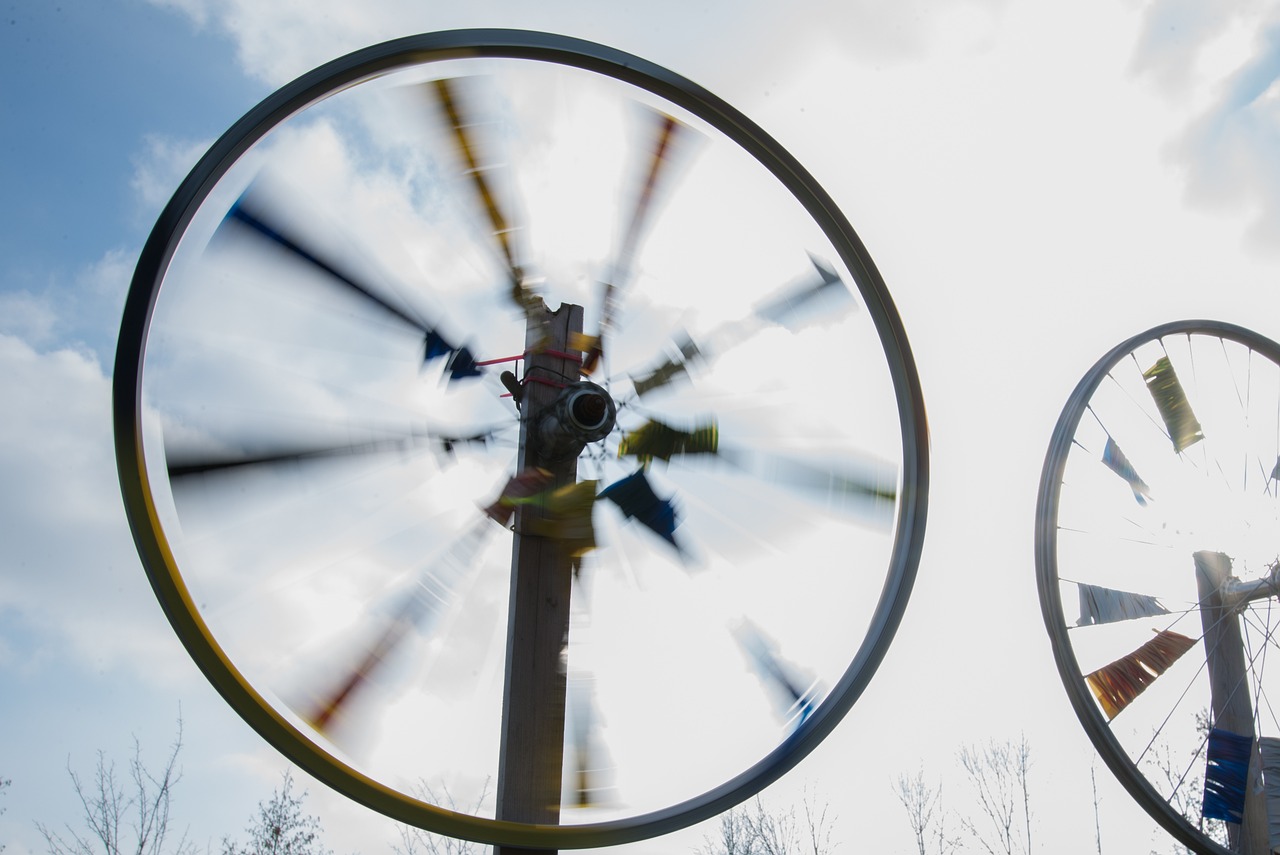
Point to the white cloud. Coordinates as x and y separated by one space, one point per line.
110 274
82 308
720 44
69 565
160 167
1229 152
27 315
1221 64
1180 39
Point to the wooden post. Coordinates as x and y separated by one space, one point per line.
533 704
1229 689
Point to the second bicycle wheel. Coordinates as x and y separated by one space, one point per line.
1157 554
474 309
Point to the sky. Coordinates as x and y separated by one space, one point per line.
1034 185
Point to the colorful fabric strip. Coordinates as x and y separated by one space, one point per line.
1115 460
1224 775
567 517
654 439
520 488
1105 605
1116 685
1172 403
667 371
1269 748
635 497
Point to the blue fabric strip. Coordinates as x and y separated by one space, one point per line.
1225 774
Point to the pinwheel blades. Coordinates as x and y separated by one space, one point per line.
289 334
326 705
256 213
455 98
666 135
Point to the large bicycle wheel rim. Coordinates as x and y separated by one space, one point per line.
1224 370
156 549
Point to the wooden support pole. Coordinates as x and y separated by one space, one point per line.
530 764
1229 689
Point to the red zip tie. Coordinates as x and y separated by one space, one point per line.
574 357
503 359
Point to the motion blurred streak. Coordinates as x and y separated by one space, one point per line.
816 297
1116 685
1171 401
251 212
635 497
434 588
787 309
792 308
675 366
454 100
590 769
521 488
866 488
185 463
799 696
667 133
566 517
428 596
655 439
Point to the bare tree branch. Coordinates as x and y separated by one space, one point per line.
120 818
923 804
4 785
775 833
818 825
1097 819
1000 773
754 830
737 835
1183 786
281 827
415 841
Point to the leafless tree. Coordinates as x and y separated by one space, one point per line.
736 835
754 830
1183 784
4 785
124 817
818 827
1097 820
281 827
999 773
415 841
923 804
775 833
1179 783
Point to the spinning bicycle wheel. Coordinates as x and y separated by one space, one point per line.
1157 548
484 357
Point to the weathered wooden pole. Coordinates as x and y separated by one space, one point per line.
1229 688
533 703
